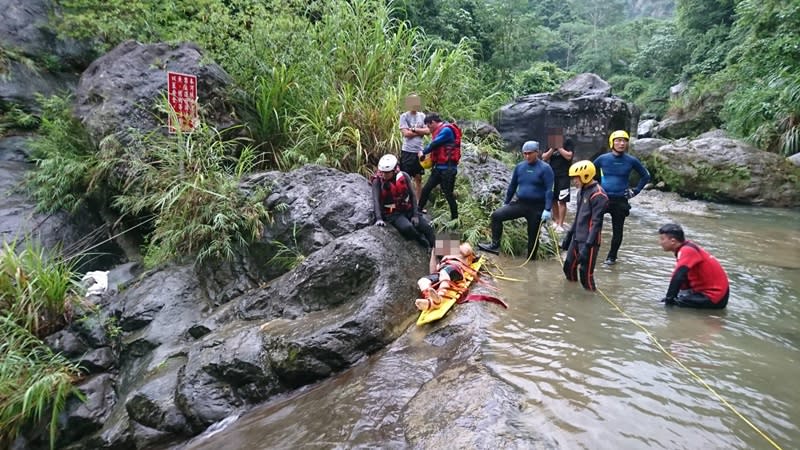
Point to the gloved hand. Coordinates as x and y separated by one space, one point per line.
583 256
629 193
415 220
565 243
546 215
380 223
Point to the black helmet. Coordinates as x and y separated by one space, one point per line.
672 229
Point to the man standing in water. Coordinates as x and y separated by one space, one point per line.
560 159
698 281
532 183
615 170
412 126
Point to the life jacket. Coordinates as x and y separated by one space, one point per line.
395 195
451 152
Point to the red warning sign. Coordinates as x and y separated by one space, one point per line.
182 92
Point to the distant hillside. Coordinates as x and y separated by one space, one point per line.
661 9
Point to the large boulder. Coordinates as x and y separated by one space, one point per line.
723 169
583 109
28 36
311 207
187 361
122 90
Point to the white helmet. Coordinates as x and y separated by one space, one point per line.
387 163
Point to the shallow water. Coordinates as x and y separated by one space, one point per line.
594 379
586 367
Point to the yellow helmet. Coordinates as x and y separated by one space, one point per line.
427 163
583 169
617 134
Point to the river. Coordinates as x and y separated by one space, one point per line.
583 366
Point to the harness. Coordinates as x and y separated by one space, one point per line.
394 194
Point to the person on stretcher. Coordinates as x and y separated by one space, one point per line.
445 273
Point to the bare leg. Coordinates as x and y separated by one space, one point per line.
562 213
418 186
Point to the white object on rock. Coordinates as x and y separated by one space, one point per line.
97 282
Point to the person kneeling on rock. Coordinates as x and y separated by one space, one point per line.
450 270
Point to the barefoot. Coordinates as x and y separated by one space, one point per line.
423 304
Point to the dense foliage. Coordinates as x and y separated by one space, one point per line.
37 292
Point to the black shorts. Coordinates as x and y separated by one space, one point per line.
453 272
409 163
561 189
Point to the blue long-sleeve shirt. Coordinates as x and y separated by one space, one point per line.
615 171
445 136
532 182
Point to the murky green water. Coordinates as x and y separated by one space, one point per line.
588 376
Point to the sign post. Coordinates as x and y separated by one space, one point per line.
182 95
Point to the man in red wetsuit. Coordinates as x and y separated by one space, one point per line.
698 281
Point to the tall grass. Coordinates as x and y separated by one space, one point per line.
189 184
67 168
36 294
334 98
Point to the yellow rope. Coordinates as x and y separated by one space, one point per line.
536 241
689 371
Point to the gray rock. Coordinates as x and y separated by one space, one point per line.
19 220
687 125
15 148
585 84
311 207
583 110
25 29
647 128
726 170
66 342
82 418
643 148
794 159
153 403
225 370
98 360
121 90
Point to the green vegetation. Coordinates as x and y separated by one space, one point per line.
36 297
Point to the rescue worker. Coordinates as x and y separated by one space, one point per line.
394 201
698 281
615 170
582 241
532 182
445 148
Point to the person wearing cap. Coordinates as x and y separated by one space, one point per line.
582 241
532 182
394 202
412 127
560 159
698 280
615 170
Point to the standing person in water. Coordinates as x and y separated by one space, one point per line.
698 281
615 170
532 184
582 241
560 159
